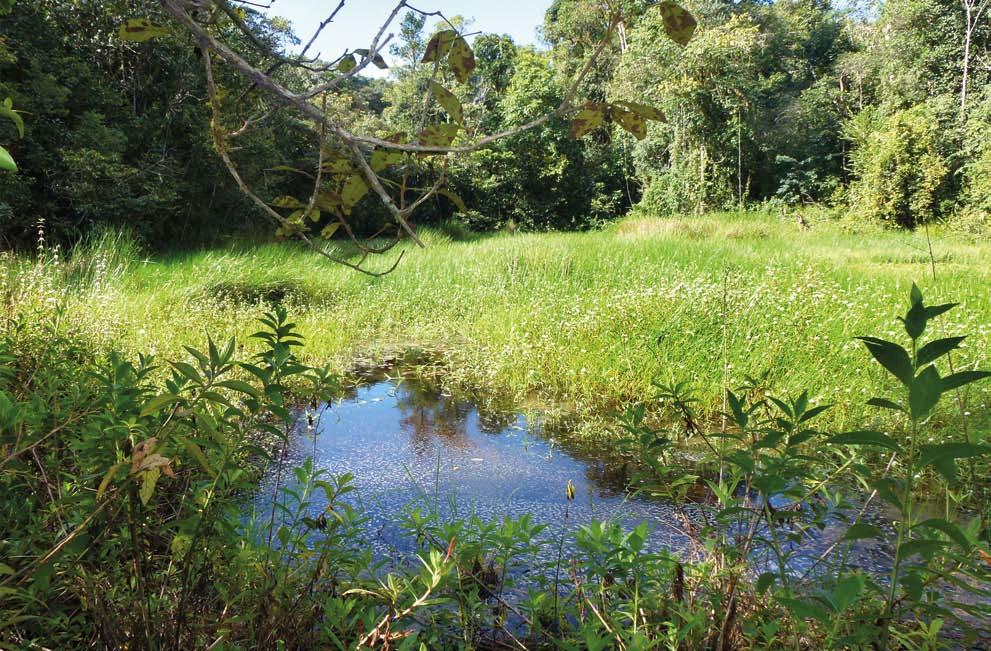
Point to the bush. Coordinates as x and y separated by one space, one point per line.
902 174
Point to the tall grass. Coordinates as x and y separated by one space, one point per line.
583 322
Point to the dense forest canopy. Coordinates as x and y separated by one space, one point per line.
881 109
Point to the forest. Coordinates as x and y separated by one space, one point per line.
670 330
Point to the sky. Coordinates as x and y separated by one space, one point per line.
360 20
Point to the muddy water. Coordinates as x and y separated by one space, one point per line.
410 446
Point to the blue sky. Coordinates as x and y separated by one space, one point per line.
358 22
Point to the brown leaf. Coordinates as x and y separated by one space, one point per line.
461 60
646 112
139 453
439 46
439 135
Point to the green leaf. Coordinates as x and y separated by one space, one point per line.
439 135
952 531
377 60
924 548
765 582
139 30
678 23
871 439
590 117
7 111
329 230
448 102
196 452
943 456
439 46
354 189
455 199
963 378
382 159
936 349
846 592
156 404
862 531
924 393
347 64
885 404
288 202
892 357
802 609
461 60
7 161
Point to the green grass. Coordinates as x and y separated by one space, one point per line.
582 321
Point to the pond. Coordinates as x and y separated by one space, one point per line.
409 445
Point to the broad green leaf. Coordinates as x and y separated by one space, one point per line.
952 531
803 609
871 439
892 357
7 161
156 404
924 548
455 199
862 531
448 102
846 592
338 166
589 118
382 159
347 64
461 60
354 189
139 30
439 46
924 393
329 230
943 456
915 321
963 378
936 349
678 23
766 581
632 122
439 135
197 453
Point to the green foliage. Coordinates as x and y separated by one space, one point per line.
902 171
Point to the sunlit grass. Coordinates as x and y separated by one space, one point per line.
582 321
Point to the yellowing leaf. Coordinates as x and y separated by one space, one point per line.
139 30
439 46
632 122
455 199
148 480
7 111
461 60
329 230
107 478
678 23
449 102
439 135
646 112
338 166
589 118
288 202
382 158
354 189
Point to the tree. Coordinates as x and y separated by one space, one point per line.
350 166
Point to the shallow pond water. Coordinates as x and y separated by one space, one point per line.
408 445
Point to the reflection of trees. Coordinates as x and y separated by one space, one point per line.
430 417
495 422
